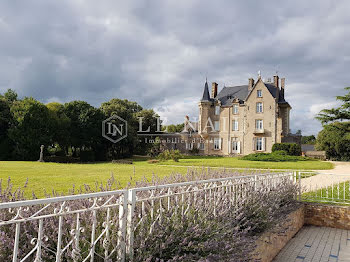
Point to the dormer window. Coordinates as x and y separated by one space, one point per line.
217 110
259 93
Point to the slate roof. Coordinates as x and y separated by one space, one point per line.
228 94
305 147
206 96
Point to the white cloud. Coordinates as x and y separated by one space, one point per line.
158 53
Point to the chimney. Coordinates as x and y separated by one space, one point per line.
214 89
275 81
250 84
283 81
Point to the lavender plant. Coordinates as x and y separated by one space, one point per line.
210 223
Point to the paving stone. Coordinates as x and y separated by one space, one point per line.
317 244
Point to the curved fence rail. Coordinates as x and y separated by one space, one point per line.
103 226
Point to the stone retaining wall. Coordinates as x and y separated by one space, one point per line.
271 242
327 215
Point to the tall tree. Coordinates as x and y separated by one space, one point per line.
5 122
61 125
32 128
9 96
310 140
340 113
149 121
335 140
85 125
126 110
335 137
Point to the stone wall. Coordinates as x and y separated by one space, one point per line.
327 215
316 154
271 242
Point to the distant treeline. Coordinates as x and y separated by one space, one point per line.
71 130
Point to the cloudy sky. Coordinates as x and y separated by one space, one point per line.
159 53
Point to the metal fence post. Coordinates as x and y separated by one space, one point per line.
299 177
130 224
122 225
255 180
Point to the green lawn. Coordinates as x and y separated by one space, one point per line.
62 177
336 194
235 162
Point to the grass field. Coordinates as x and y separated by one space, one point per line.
339 193
62 177
235 162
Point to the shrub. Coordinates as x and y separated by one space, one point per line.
170 154
87 156
194 151
292 149
277 156
122 161
280 152
61 159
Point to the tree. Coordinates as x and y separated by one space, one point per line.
149 124
335 140
340 113
6 145
60 124
85 126
126 110
176 128
310 140
335 137
32 128
9 96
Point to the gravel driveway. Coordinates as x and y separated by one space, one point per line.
340 173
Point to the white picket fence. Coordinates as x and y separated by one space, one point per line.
114 216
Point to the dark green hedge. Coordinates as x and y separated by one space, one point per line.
277 156
291 149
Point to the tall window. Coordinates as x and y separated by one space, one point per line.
217 110
189 146
217 143
217 125
234 125
259 124
235 109
259 143
236 147
201 146
259 107
259 93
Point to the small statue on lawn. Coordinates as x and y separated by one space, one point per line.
41 159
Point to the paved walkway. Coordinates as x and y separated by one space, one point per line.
340 173
317 244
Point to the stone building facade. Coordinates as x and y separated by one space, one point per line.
239 120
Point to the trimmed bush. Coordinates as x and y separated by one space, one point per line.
122 161
170 154
277 156
291 149
62 159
